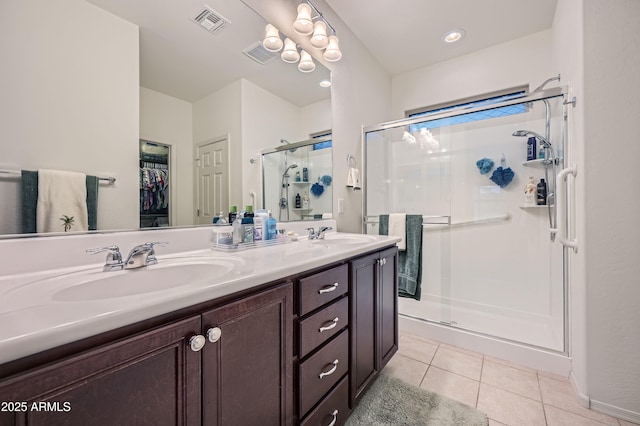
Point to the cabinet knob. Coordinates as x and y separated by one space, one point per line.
328 288
331 371
332 324
214 334
335 418
197 342
382 261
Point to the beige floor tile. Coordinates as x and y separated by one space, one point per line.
558 417
451 385
554 376
406 369
495 423
418 337
458 362
509 408
626 423
463 350
560 394
511 379
510 364
417 348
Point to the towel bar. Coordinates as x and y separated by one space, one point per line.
109 179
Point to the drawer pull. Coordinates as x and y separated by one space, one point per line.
332 324
335 418
328 288
331 371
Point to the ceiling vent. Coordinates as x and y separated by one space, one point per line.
211 20
258 53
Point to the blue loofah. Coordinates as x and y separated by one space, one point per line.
485 165
317 189
502 177
326 179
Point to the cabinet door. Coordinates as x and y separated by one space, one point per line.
247 372
152 378
387 306
363 299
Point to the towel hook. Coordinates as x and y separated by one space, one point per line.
349 158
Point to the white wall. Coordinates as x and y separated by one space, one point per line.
70 89
169 120
612 209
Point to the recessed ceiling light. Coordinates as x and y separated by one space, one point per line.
453 36
325 83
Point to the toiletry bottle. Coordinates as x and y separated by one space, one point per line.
305 174
531 149
233 212
247 229
248 211
530 193
298 201
260 225
220 220
305 200
541 151
272 230
298 176
541 193
237 229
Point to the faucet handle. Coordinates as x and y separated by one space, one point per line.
312 233
151 258
114 257
322 230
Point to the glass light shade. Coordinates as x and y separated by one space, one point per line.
306 62
319 39
272 41
333 53
290 53
303 23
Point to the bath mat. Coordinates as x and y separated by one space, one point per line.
392 402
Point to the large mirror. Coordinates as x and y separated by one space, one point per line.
88 80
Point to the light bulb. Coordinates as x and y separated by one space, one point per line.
303 23
319 39
290 53
332 54
272 41
306 62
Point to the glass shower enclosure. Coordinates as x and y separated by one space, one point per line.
489 262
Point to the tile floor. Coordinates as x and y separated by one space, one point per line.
510 394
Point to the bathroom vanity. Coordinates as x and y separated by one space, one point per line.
292 334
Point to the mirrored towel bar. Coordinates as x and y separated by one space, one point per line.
446 220
109 179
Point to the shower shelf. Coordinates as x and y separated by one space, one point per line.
302 210
537 162
533 207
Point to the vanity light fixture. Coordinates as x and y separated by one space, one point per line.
306 62
453 36
305 25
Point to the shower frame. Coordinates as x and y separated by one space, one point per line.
539 95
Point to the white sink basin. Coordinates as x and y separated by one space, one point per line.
92 284
344 240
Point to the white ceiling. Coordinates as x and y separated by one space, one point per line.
182 60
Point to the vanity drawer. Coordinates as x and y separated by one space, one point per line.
316 290
321 371
321 326
333 410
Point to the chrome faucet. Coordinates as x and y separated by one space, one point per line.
139 256
142 255
313 235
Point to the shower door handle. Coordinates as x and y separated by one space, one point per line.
562 211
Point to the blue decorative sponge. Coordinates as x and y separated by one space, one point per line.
485 165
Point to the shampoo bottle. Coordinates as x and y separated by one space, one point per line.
530 193
531 149
298 201
233 212
541 193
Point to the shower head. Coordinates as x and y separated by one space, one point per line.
284 141
285 174
525 133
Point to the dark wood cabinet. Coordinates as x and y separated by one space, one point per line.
247 373
150 378
373 317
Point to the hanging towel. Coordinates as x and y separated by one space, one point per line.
92 202
410 260
398 228
353 178
61 194
29 201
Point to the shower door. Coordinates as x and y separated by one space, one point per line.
412 174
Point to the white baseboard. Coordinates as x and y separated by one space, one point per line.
583 399
602 407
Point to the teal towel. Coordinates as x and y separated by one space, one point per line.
92 202
29 201
410 260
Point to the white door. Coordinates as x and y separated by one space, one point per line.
212 180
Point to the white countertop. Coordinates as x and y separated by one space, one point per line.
34 319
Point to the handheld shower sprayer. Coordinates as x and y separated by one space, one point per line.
525 133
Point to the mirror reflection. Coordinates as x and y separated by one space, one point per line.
297 180
82 99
